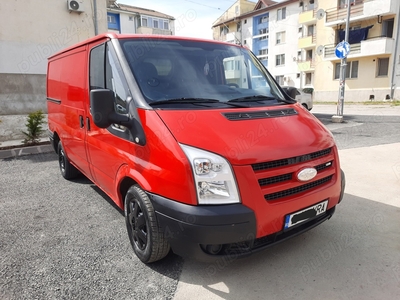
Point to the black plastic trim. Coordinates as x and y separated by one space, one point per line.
56 101
188 226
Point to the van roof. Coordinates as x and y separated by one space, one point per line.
127 36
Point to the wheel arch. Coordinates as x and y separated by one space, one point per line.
126 177
56 139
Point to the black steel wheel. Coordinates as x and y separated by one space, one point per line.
68 171
147 239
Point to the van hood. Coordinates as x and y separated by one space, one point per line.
247 136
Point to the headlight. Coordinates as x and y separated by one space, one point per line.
215 183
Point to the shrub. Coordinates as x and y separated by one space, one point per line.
34 127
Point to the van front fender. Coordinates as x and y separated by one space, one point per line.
125 178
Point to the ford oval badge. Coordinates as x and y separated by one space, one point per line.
306 174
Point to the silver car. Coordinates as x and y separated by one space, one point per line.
304 98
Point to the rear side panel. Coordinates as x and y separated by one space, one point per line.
66 97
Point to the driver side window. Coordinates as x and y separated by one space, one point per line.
106 73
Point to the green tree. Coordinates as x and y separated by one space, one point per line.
34 128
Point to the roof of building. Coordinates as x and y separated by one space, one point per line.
139 10
258 9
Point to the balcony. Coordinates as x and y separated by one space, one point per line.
370 47
307 17
359 10
230 37
307 42
306 65
233 37
150 30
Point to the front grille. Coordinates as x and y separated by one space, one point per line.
290 161
298 189
324 166
275 179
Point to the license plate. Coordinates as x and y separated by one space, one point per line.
305 214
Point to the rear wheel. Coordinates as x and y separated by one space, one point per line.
68 171
147 239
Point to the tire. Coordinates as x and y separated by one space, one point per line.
146 236
67 170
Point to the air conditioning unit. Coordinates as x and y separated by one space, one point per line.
75 6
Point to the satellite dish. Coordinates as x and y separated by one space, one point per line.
74 5
320 50
320 14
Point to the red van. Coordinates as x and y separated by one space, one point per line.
194 140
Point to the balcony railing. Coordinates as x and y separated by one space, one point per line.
307 41
370 47
340 13
150 30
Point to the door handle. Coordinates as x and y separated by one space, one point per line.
88 123
82 123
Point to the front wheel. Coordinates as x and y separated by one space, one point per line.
146 236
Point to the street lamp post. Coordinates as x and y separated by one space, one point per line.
338 118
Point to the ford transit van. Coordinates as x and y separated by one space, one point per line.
194 140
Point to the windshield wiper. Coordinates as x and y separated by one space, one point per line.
254 98
193 100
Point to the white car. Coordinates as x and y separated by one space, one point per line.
304 98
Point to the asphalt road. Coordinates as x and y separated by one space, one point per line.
66 240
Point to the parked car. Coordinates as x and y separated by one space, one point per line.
304 98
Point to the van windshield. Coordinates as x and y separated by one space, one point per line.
177 72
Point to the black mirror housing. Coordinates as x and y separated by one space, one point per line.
103 110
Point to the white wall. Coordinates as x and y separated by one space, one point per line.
127 26
32 30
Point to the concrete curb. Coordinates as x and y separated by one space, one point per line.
17 152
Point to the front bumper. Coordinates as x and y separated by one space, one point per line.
209 232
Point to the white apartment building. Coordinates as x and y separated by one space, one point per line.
127 19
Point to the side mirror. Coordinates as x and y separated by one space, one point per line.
103 110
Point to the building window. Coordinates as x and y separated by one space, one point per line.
310 30
166 25
264 19
280 60
383 66
245 21
342 3
387 28
281 13
224 30
155 23
144 21
263 52
263 31
308 78
111 19
280 37
279 79
309 54
351 70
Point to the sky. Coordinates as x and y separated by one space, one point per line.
194 18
